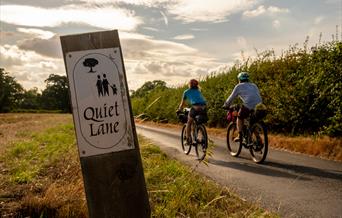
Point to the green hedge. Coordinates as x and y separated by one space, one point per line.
302 90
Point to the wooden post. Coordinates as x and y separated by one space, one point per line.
107 141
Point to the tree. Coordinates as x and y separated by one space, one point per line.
56 94
147 87
10 92
90 62
30 99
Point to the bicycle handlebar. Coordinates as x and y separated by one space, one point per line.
231 107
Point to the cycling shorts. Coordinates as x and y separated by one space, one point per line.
196 110
243 112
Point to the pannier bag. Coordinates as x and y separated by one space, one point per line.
183 116
260 111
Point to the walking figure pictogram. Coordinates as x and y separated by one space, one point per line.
114 89
99 86
103 86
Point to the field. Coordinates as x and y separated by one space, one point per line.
40 176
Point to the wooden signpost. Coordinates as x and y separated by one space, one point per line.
107 142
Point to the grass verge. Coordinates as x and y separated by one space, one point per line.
176 190
41 177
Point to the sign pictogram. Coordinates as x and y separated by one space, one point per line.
99 100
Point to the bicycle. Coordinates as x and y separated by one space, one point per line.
198 133
254 134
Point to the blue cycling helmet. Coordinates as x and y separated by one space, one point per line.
243 76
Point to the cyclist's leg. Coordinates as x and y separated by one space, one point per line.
258 137
242 114
239 123
188 125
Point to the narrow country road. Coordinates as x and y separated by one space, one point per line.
292 185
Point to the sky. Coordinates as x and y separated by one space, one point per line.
170 40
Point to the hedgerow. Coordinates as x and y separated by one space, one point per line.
302 89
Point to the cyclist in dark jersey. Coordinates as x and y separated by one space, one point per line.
195 99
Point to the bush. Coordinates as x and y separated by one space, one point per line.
302 91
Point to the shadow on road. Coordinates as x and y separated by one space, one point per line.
306 170
257 168
271 168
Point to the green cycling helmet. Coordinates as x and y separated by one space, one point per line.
243 76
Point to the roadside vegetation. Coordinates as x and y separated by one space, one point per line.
302 89
41 177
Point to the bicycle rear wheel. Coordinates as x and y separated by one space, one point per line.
185 146
260 142
201 142
234 147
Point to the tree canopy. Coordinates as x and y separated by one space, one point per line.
14 97
10 91
148 86
56 94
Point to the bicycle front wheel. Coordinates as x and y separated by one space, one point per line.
201 142
185 146
259 138
234 146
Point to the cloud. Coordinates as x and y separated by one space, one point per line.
207 11
147 59
254 13
186 10
333 1
33 60
47 47
151 29
276 10
170 55
166 21
142 48
9 56
4 34
242 42
184 37
148 3
29 68
199 29
43 34
106 18
262 10
318 20
276 24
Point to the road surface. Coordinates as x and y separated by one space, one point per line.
293 185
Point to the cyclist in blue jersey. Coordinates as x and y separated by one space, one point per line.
195 99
